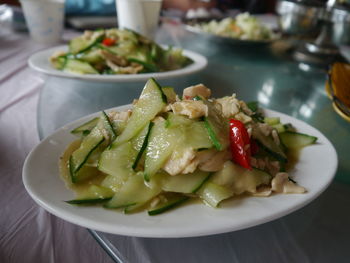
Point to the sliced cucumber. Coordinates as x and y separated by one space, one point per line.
85 128
150 103
272 120
95 194
92 56
172 200
133 193
197 136
118 160
80 156
149 67
217 127
88 201
81 44
212 194
174 120
161 143
78 66
279 127
240 179
85 172
170 94
59 62
108 126
184 183
140 143
269 145
296 140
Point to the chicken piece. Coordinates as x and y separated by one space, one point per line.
115 59
124 70
192 109
242 117
245 108
179 160
264 128
215 162
197 90
120 116
229 106
263 191
281 184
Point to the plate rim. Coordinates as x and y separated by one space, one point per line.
91 224
200 63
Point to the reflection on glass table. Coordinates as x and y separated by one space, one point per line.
256 74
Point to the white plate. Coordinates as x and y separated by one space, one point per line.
40 62
42 181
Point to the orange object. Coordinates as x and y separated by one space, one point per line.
338 88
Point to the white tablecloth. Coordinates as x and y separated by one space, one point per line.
27 232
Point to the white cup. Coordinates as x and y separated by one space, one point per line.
44 19
141 16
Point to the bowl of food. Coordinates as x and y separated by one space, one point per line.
116 55
243 29
171 166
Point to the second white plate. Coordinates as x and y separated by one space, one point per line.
40 62
42 180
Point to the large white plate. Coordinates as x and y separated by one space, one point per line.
40 62
315 170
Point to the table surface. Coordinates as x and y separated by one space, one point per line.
318 232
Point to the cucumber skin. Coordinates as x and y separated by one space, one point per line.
169 206
143 148
311 139
110 126
87 201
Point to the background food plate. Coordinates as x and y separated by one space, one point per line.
40 62
227 40
42 181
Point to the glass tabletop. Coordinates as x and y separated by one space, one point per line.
256 73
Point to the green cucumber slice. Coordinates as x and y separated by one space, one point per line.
197 136
212 194
269 145
240 179
81 44
133 193
140 143
161 143
184 183
117 161
173 200
272 120
94 195
170 94
88 201
294 140
85 128
279 127
78 66
216 126
150 103
80 156
108 126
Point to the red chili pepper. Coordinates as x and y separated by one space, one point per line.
240 143
108 41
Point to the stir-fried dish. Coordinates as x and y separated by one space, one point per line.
117 51
243 26
167 149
